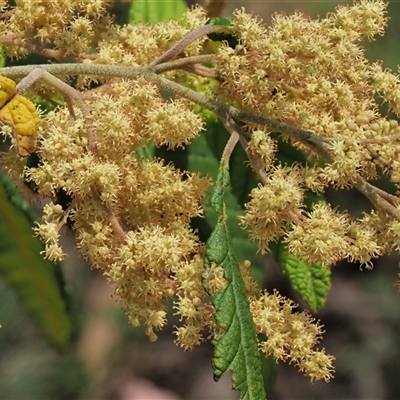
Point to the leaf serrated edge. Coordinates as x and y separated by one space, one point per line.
219 249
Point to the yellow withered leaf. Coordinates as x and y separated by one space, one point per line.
7 89
21 114
26 145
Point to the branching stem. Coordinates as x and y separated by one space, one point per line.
309 139
231 144
226 112
175 50
72 96
183 62
377 198
111 216
231 126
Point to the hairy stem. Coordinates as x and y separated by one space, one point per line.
314 142
111 217
183 43
72 96
253 158
231 144
183 62
375 197
201 70
309 139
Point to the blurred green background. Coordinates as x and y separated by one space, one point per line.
108 359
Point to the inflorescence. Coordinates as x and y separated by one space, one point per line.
132 213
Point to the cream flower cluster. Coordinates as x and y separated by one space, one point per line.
152 203
313 74
291 336
132 213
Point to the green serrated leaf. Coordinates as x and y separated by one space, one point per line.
203 155
312 283
217 195
23 267
150 11
235 343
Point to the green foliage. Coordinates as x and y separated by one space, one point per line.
235 343
22 265
135 220
226 34
203 155
221 22
311 282
2 58
148 11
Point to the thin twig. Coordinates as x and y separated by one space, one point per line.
7 14
309 139
116 71
51 53
66 215
17 39
253 158
387 196
115 223
314 142
201 70
110 214
231 144
183 62
177 48
9 39
371 193
72 96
